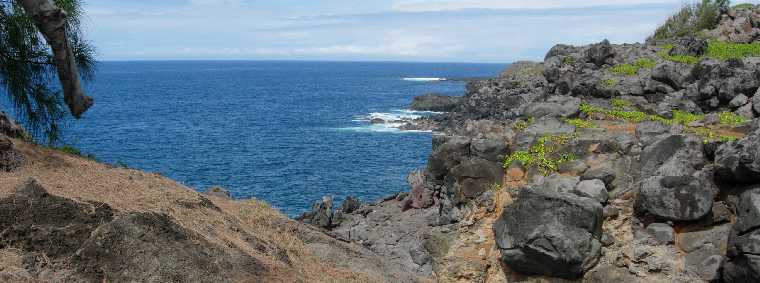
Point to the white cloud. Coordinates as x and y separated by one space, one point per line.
445 5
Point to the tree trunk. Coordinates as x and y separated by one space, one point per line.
50 20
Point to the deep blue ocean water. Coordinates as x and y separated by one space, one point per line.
284 132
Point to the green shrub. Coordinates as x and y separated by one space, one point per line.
542 154
620 104
522 124
685 118
729 118
728 50
625 69
568 60
580 123
645 63
691 19
743 6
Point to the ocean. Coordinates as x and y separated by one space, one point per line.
285 132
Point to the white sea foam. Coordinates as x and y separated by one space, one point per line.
424 79
388 122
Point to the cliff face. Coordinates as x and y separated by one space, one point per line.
604 163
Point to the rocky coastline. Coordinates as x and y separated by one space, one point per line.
603 163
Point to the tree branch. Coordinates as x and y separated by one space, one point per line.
50 20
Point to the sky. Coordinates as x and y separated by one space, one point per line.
496 31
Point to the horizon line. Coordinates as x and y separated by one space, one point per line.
304 60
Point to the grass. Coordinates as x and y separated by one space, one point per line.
691 19
731 119
543 155
68 149
743 6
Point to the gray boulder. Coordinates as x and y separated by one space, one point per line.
673 74
321 214
662 233
471 178
739 161
555 106
676 198
219 192
545 232
600 54
435 102
743 263
594 189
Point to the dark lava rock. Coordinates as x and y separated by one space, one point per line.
39 222
689 46
743 263
555 106
219 192
421 194
545 232
10 128
321 214
600 53
10 158
473 177
350 204
739 161
681 198
662 233
435 102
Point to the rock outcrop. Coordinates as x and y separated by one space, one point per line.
434 102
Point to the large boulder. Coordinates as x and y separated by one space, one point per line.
434 102
600 54
545 232
555 106
472 177
739 161
675 198
689 46
743 263
321 214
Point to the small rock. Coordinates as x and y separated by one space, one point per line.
610 211
592 188
350 204
605 173
738 101
574 168
607 239
662 233
219 192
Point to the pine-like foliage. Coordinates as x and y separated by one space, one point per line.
691 19
27 72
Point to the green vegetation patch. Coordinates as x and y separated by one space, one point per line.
624 69
609 82
543 155
522 124
743 6
620 104
728 50
731 119
685 59
581 123
568 60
